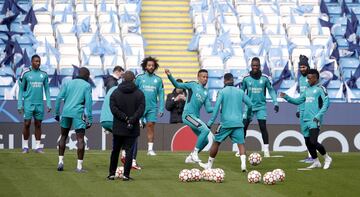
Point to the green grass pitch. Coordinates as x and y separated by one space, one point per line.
35 175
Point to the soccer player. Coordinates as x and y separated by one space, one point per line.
303 84
152 87
255 84
316 103
77 96
32 83
106 117
197 96
230 99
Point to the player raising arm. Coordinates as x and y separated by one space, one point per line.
197 96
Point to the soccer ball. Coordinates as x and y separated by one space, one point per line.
279 175
119 172
196 174
206 174
218 175
254 176
269 178
255 159
220 170
185 175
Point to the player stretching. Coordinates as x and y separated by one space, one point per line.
31 85
316 103
230 99
77 96
196 97
255 84
152 87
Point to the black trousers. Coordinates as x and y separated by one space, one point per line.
263 129
126 143
313 145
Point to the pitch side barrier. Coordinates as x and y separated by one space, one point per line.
340 131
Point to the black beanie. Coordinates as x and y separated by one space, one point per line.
303 60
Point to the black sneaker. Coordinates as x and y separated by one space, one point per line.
110 177
127 178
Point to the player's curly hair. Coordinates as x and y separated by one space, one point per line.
148 59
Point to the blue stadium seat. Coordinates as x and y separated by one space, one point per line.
6 81
54 92
286 84
332 95
347 62
347 73
96 72
356 93
3 36
216 73
334 9
6 70
341 20
17 27
24 40
358 83
342 42
49 70
213 94
2 92
215 83
238 72
356 9
66 71
3 28
277 74
339 31
334 84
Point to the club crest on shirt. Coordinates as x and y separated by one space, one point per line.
41 76
155 81
261 81
314 91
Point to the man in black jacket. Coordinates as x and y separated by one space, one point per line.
175 103
127 104
112 80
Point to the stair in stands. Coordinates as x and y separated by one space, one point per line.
167 28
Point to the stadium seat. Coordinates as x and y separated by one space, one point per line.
96 72
335 95
236 62
349 62
54 92
356 93
216 73
6 70
334 84
49 70
239 73
213 94
213 62
66 71
6 81
110 62
286 84
347 73
334 10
